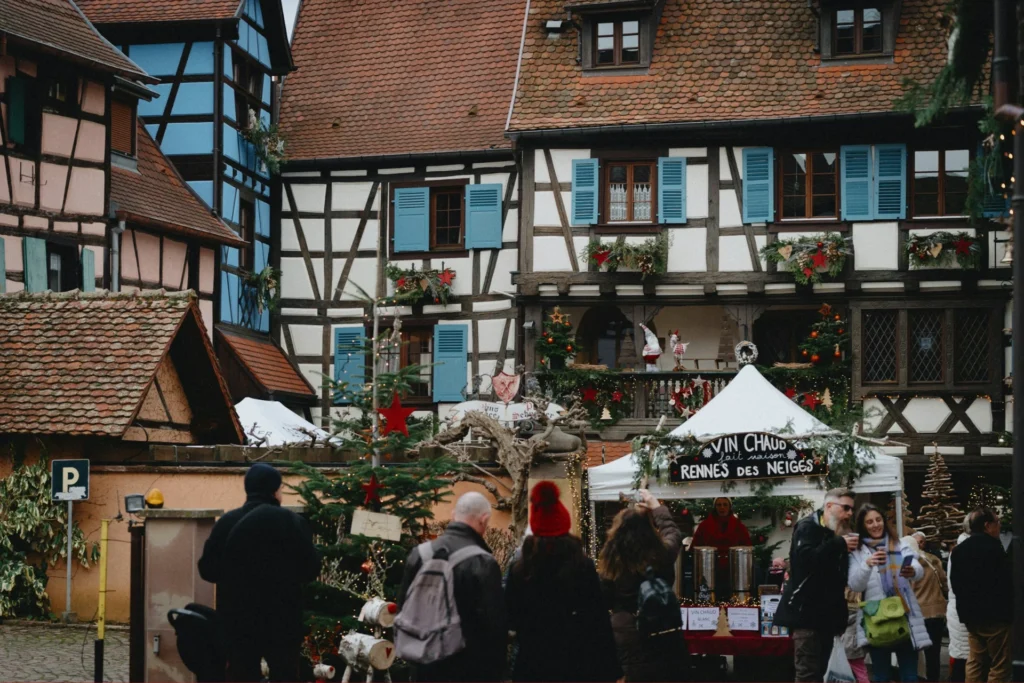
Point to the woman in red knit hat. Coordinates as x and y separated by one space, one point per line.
554 601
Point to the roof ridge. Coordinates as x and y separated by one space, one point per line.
104 294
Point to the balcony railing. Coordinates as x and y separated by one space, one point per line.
653 391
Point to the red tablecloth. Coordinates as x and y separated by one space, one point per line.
740 643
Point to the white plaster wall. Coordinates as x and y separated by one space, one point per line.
874 413
561 160
312 230
733 255
578 244
996 251
980 413
729 215
697 191
313 373
462 285
490 335
307 339
363 273
549 254
688 151
295 281
343 231
545 211
510 230
876 246
688 251
508 261
926 414
308 197
502 178
723 163
700 326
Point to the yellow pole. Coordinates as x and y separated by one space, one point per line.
102 621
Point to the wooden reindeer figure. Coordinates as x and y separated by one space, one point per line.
370 653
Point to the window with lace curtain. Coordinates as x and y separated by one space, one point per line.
630 192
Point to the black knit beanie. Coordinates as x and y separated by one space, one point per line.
262 479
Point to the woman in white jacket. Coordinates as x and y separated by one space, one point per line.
877 571
959 648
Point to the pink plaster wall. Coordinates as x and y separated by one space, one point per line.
35 222
64 226
85 196
95 98
5 194
92 142
174 264
206 310
129 269
206 268
148 249
13 261
23 179
58 134
94 228
8 219
51 193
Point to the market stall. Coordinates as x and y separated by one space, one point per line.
748 434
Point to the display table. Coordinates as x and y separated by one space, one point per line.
739 644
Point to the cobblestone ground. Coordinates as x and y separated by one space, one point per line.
58 653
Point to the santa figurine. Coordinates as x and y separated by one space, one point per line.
677 348
652 349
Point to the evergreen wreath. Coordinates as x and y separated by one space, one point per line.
943 249
806 258
650 258
412 284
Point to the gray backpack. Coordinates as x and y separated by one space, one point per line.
428 629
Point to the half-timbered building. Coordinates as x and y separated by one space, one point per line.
216 65
394 123
725 127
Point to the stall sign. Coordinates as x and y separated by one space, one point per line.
755 455
744 619
702 618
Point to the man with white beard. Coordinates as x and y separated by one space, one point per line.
813 604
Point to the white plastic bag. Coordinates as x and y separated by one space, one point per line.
839 670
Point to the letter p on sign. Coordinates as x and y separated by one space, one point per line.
69 480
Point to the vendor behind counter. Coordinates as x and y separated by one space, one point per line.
723 530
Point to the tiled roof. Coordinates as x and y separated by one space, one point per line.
613 450
155 195
267 364
58 27
129 11
80 364
379 77
720 61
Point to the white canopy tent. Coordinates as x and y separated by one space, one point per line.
269 423
748 404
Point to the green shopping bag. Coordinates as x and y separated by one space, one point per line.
885 622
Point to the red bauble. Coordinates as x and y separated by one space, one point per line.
841 330
804 353
814 334
838 354
568 348
815 358
551 340
367 566
820 245
836 318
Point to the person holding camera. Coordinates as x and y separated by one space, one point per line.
882 568
643 536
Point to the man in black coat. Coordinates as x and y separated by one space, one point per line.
478 596
982 581
260 555
813 604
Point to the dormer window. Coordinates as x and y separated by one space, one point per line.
620 40
122 127
858 31
617 43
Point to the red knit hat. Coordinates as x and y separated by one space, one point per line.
548 517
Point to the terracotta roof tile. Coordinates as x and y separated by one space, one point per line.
80 363
719 61
378 77
613 450
267 364
156 195
59 27
129 11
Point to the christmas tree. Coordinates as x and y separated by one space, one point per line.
998 498
827 340
942 516
556 343
359 567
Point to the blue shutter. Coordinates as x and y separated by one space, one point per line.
349 358
412 219
891 181
88 270
584 191
450 362
483 216
17 102
758 193
995 204
672 190
3 268
34 252
856 181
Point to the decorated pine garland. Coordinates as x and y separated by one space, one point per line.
808 257
943 249
606 395
650 258
412 285
691 396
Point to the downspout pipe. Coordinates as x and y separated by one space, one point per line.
115 256
1004 59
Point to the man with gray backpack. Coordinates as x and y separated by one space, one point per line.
451 624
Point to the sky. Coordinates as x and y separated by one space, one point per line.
290 8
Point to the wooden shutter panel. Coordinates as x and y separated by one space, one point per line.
412 219
672 190
34 251
584 191
758 190
349 358
891 181
3 267
995 204
856 182
483 216
450 345
88 270
17 104
122 127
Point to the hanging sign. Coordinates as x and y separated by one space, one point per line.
756 455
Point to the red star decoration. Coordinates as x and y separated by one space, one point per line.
617 396
372 497
808 272
601 256
963 246
590 394
811 400
400 282
396 416
790 393
819 259
446 277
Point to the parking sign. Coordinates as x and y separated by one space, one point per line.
69 480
